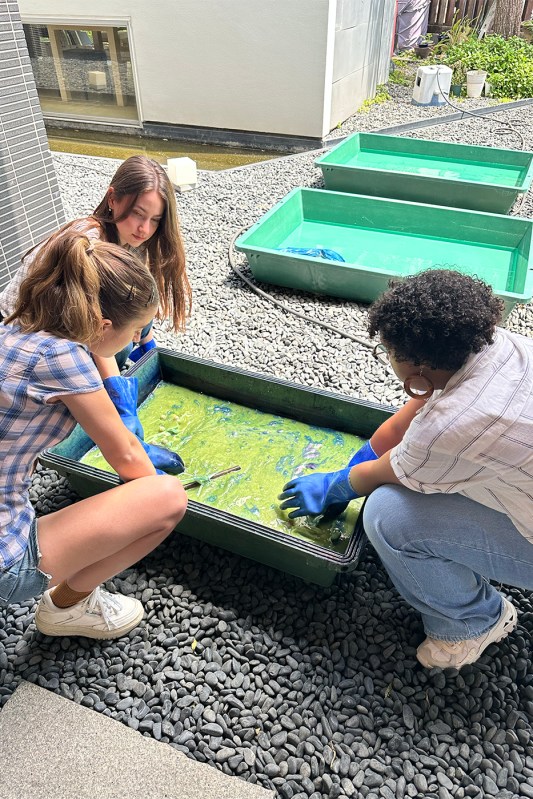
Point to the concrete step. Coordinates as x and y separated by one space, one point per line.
52 748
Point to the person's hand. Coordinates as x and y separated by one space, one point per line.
365 453
123 393
164 460
313 494
137 353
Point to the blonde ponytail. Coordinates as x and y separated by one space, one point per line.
75 282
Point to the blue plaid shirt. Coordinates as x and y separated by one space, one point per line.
35 369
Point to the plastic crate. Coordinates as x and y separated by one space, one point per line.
381 239
304 559
439 173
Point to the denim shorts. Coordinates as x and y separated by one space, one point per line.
24 580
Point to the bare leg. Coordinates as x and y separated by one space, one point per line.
93 540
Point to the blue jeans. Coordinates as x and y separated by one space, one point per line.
24 580
441 550
122 356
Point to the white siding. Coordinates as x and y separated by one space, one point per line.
30 205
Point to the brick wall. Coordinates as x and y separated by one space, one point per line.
30 204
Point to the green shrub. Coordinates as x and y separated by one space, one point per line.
399 78
508 63
381 96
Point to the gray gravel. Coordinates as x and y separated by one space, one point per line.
400 110
315 692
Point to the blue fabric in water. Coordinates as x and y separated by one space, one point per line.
315 252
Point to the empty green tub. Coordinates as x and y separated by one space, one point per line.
314 562
440 173
381 239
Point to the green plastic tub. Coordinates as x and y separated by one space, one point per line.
440 173
305 559
381 239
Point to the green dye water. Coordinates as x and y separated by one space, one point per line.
405 253
212 435
435 167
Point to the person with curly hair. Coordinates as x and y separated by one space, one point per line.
449 477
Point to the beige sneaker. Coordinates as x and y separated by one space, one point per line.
100 615
449 654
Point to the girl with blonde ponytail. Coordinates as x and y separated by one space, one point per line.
81 296
138 212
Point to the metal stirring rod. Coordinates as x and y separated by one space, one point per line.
195 483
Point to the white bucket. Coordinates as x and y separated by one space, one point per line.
475 80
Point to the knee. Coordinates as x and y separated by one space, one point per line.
387 518
170 500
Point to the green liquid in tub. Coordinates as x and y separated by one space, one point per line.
212 435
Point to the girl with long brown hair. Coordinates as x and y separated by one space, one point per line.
81 296
138 212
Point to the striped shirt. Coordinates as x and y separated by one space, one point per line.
475 437
34 369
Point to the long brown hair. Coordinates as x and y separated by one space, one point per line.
166 255
76 282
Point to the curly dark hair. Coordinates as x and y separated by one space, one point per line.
436 318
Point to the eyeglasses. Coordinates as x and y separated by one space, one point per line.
381 354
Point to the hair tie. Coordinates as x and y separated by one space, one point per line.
90 249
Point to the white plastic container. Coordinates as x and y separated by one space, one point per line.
475 80
432 85
182 173
97 79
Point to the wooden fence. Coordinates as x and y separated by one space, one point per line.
441 12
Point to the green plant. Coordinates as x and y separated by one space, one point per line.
508 63
403 58
399 78
461 30
459 73
381 96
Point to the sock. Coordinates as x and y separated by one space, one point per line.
64 597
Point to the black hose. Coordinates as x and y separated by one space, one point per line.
278 304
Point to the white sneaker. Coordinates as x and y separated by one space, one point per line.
100 615
454 654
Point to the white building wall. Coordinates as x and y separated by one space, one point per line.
270 66
363 39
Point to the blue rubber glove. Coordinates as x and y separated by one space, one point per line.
366 453
123 392
136 354
312 494
164 460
